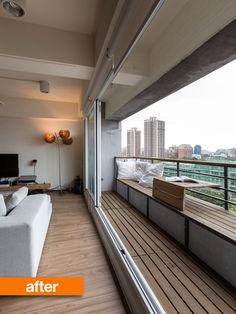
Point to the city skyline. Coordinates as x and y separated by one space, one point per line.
174 151
201 113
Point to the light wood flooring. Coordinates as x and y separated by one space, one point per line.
72 249
181 284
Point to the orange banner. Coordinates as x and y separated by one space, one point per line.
42 286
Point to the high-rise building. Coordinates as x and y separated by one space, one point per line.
172 152
133 142
197 150
154 138
185 151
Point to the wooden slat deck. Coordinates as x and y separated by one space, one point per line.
179 282
210 215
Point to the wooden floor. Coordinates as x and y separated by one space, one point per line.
72 249
179 282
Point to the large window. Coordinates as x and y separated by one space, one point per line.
92 148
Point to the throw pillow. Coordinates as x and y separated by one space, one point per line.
15 198
3 209
126 169
141 167
153 171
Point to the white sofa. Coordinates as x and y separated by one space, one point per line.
22 236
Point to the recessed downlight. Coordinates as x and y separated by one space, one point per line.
44 87
15 8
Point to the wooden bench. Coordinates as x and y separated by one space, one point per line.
204 229
181 284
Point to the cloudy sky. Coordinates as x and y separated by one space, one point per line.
202 113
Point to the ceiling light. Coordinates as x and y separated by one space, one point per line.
15 8
44 86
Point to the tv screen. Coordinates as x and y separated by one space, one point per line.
9 165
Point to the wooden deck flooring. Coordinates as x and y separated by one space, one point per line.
72 249
179 282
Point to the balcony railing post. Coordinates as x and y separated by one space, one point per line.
226 187
177 168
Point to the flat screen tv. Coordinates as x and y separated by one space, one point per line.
9 165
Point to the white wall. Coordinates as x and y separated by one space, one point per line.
34 108
110 147
25 136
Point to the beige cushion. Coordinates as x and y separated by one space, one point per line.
3 209
15 198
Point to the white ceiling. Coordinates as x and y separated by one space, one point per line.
67 81
61 89
64 60
70 15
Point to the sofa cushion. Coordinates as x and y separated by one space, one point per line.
3 209
29 208
15 198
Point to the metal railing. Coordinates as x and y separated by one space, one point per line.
224 174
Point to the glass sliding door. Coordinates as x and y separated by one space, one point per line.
92 148
91 154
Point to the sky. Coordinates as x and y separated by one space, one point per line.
202 113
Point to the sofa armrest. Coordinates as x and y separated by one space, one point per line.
15 247
22 235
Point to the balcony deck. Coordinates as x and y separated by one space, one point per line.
72 249
181 284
